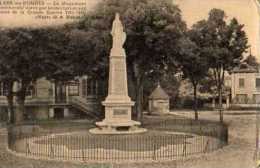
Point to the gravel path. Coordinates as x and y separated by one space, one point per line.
238 154
240 151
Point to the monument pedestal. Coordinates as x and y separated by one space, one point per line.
118 119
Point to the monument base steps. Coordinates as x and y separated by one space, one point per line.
124 127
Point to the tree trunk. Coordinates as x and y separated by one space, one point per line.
220 105
221 81
10 101
19 112
220 76
21 94
195 107
11 108
139 99
138 107
138 78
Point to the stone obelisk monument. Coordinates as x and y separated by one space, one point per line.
118 105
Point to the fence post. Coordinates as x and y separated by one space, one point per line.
184 152
28 151
172 147
83 154
154 147
52 150
206 146
200 129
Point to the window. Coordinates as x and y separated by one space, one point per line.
91 87
257 83
241 83
241 98
74 89
256 98
3 89
31 91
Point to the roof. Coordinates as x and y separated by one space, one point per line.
245 68
159 93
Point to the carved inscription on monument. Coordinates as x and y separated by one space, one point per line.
120 112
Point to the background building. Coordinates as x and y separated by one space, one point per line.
245 86
49 100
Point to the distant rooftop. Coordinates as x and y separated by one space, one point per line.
245 68
159 93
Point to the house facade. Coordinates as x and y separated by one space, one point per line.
49 100
245 86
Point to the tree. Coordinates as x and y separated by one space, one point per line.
27 55
6 74
194 66
223 43
152 27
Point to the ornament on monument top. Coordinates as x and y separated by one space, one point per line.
119 37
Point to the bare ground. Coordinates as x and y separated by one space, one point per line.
238 154
242 140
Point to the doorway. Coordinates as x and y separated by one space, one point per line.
58 113
60 93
